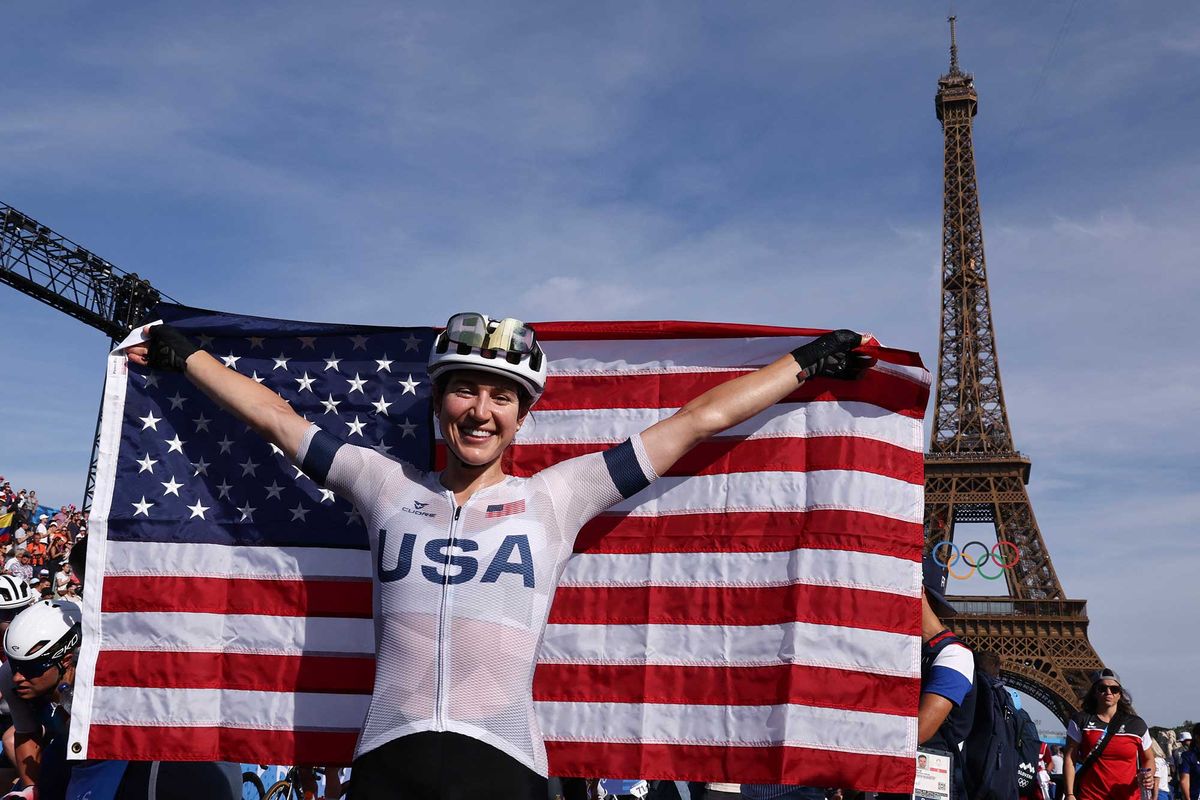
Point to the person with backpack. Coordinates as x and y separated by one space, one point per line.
947 706
1106 745
1001 751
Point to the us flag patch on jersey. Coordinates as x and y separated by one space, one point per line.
505 509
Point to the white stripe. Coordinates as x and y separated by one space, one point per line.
789 725
802 643
224 561
236 633
805 566
798 420
779 491
228 708
658 356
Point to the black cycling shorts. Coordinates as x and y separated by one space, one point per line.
442 766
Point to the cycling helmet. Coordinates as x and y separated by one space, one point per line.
14 593
506 347
47 630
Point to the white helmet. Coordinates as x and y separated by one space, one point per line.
14 593
505 347
46 630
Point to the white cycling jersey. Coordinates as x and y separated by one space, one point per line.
462 593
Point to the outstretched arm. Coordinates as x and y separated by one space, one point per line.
268 414
735 401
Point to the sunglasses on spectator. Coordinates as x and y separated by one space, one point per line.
1104 688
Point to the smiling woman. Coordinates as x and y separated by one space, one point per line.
467 559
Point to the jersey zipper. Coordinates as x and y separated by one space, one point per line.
439 699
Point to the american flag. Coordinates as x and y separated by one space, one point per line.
752 616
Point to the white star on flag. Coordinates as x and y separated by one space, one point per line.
326 495
273 490
305 383
177 401
248 468
201 423
223 490
146 464
331 405
197 510
411 342
280 362
360 342
410 386
150 421
332 362
299 513
151 380
356 385
175 445
225 444
384 364
382 405
172 487
142 507
201 467
408 428
255 377
231 360
356 427
247 512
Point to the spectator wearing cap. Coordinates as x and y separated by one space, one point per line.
1106 745
1189 767
41 526
1185 744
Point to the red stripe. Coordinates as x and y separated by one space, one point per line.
284 598
776 684
176 743
672 390
737 454
736 605
244 671
775 765
752 531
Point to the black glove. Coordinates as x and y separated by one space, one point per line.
169 349
830 356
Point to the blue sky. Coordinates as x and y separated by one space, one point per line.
776 163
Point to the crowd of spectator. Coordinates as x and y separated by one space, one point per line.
36 544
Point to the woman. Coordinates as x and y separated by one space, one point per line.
467 560
1107 744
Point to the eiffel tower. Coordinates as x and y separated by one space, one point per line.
973 471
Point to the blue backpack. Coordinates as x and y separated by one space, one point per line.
990 754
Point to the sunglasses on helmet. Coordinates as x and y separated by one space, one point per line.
472 331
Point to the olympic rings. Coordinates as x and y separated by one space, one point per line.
992 554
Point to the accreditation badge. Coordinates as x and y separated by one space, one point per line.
933 775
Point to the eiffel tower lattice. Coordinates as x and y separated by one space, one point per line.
973 472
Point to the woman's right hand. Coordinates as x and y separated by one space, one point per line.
140 353
166 348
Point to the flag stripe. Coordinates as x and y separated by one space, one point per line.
153 742
243 671
834 569
798 420
785 491
152 559
591 391
231 532
762 764
289 598
878 652
267 711
711 605
236 633
752 531
728 454
700 723
756 685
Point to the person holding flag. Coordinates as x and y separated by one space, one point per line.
467 559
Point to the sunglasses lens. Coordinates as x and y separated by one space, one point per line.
467 329
31 669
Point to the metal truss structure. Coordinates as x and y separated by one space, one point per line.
50 267
973 472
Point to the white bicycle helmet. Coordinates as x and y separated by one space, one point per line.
506 347
14 593
47 630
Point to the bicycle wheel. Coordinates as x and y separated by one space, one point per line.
252 788
283 790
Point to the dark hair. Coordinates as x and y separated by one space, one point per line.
988 663
1124 703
